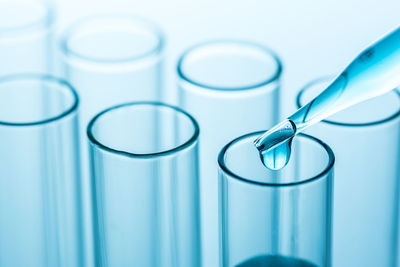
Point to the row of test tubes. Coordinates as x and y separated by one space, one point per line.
95 170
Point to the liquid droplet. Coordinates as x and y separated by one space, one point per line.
278 157
275 145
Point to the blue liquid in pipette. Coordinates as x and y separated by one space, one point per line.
373 73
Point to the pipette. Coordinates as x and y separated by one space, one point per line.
374 72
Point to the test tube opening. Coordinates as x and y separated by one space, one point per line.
132 129
301 168
228 65
112 39
30 99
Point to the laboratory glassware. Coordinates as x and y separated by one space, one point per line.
231 87
145 182
110 59
275 218
40 192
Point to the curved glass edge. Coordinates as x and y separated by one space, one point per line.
229 173
344 124
193 139
270 52
45 79
43 23
148 25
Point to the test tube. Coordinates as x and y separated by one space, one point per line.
40 197
110 59
275 218
231 88
25 36
146 203
365 139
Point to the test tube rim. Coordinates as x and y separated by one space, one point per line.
188 143
322 174
43 78
42 23
145 23
265 49
346 124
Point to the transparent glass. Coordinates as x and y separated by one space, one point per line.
231 88
275 218
145 178
111 59
365 139
40 196
25 36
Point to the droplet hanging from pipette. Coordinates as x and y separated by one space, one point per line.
373 73
275 145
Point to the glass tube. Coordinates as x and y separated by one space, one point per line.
25 36
230 87
111 59
40 193
275 218
146 186
365 139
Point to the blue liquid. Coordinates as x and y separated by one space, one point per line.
373 73
275 261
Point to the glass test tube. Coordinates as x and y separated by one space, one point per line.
275 218
40 197
365 139
111 59
230 87
25 36
146 186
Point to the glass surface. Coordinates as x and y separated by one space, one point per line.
275 218
111 59
230 87
365 139
40 197
25 36
145 178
